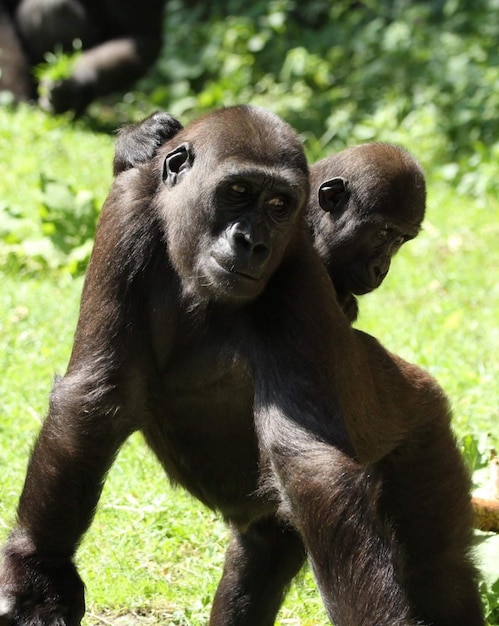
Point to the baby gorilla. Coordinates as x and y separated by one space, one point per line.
365 203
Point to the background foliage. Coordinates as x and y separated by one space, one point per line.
424 74
421 73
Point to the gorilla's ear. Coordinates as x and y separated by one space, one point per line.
177 163
333 194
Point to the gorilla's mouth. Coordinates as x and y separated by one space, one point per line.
360 287
231 268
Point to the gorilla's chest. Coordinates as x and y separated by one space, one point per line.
204 431
206 380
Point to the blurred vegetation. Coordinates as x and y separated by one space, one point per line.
424 74
343 72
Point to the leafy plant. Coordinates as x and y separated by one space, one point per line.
343 73
58 65
490 599
59 236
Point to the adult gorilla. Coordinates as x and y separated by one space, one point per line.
209 323
120 40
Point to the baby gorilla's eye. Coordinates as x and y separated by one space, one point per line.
382 233
277 202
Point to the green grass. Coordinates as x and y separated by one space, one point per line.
153 555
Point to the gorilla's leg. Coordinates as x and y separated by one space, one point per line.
260 563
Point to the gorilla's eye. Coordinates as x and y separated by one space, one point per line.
278 208
277 202
236 193
237 189
382 233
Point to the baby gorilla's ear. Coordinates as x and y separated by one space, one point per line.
334 194
137 144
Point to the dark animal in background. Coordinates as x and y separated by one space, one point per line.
120 40
366 202
209 323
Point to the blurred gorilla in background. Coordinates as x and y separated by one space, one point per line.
120 42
